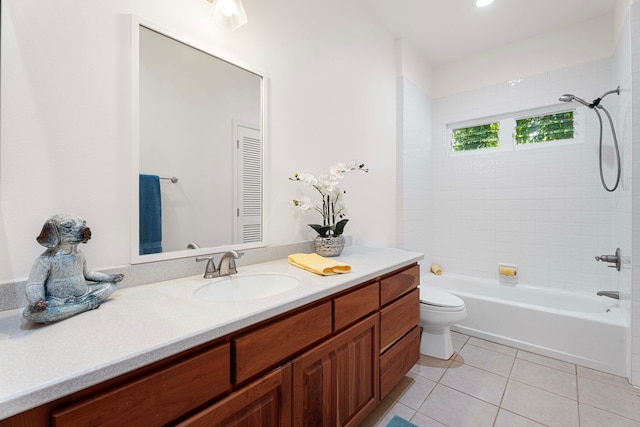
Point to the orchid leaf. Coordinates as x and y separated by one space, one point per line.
339 227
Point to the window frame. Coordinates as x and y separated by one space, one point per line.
506 129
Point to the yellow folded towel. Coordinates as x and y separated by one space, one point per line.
318 264
435 269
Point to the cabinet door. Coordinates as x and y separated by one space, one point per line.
335 384
265 402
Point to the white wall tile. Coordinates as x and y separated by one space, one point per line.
542 203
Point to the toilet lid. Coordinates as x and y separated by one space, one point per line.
438 298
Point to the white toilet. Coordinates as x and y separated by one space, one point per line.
438 311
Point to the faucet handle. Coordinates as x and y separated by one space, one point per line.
210 271
232 262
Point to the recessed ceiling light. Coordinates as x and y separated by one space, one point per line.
482 3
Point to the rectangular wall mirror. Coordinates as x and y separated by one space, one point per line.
198 138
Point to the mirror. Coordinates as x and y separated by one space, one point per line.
198 149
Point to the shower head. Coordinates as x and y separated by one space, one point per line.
567 97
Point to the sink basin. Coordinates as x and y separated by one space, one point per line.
244 287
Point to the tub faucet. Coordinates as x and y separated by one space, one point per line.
610 294
227 263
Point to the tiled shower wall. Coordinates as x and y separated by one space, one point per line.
542 208
635 303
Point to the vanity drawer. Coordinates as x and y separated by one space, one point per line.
355 305
398 360
398 318
392 287
269 345
157 398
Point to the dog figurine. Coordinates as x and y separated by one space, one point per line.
57 287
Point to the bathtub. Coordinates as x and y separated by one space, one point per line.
579 328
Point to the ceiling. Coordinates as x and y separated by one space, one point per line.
448 30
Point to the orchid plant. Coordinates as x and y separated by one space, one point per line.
332 208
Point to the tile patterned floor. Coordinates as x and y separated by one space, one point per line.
488 384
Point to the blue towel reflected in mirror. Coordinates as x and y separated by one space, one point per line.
150 215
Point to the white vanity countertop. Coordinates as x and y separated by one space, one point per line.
143 324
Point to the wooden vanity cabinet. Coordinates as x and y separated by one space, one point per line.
335 384
328 363
273 343
399 330
265 402
156 398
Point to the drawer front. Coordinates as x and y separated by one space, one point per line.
398 284
157 398
398 318
271 344
397 361
351 307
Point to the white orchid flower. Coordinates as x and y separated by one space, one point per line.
304 204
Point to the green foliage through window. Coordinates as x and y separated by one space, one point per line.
550 127
473 138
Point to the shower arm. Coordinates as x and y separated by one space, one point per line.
596 102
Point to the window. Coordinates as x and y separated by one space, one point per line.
550 127
473 138
540 127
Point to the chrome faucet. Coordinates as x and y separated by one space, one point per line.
227 263
610 294
210 271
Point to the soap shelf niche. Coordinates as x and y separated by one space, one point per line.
508 273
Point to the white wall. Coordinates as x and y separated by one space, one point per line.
414 67
65 141
414 170
570 46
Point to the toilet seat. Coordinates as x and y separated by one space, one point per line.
439 300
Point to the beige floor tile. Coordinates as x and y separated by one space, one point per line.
567 367
509 419
431 368
610 398
489 360
594 417
454 408
549 379
383 413
412 390
603 377
475 382
457 336
423 421
510 351
539 405
457 345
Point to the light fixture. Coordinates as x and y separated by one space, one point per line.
228 13
482 3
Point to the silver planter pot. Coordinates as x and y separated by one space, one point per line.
329 246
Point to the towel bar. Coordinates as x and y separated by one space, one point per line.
173 179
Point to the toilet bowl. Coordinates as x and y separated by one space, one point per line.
438 311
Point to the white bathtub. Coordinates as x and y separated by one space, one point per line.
579 328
